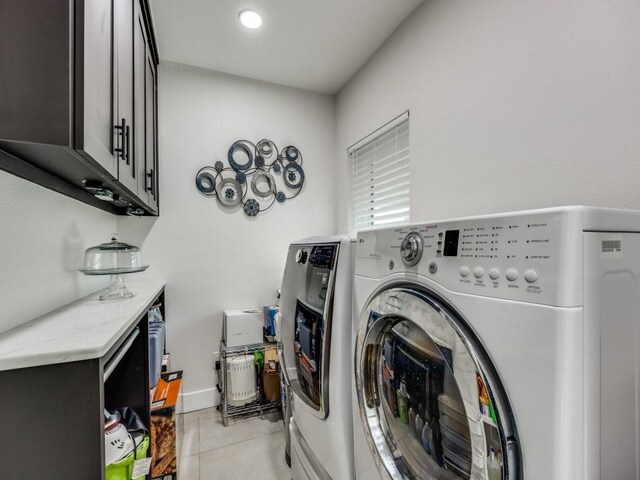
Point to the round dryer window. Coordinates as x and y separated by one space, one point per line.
430 400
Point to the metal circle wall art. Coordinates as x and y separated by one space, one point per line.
258 176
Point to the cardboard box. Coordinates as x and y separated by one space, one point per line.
242 327
163 427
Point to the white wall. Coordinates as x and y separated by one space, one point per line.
211 258
514 104
43 236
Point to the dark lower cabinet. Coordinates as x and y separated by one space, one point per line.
73 99
53 420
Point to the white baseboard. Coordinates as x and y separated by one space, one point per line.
200 399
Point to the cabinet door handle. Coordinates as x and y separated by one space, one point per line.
120 150
150 176
127 145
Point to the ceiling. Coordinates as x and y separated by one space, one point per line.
316 45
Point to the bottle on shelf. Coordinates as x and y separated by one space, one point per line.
493 466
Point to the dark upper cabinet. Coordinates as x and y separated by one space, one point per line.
144 73
75 77
123 13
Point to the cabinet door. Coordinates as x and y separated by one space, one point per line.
139 114
97 98
152 132
123 63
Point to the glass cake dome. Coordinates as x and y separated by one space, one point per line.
113 258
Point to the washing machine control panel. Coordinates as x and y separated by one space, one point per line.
531 257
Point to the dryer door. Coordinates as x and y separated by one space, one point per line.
306 308
430 400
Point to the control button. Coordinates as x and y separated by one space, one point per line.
531 275
433 267
464 271
494 273
511 274
478 272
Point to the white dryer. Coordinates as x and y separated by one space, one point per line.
316 353
499 347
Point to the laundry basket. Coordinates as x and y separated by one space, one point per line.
241 380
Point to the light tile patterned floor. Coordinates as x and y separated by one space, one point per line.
248 448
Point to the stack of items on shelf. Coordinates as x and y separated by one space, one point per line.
163 426
249 371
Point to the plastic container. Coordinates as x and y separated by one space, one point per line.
448 424
452 408
241 380
493 466
427 438
157 338
123 469
460 449
460 465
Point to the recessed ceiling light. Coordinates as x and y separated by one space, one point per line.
250 19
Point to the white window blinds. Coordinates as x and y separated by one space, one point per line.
380 177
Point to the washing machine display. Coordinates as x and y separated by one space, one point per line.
426 394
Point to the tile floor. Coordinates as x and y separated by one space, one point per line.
248 448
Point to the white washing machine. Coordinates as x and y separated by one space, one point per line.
499 347
316 353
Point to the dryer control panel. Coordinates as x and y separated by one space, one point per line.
532 257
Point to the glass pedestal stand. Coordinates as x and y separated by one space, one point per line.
116 289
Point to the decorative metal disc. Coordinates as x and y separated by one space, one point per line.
265 147
259 161
290 168
276 167
206 181
291 153
271 183
228 184
240 146
241 177
251 207
218 166
281 197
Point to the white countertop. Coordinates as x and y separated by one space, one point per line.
82 330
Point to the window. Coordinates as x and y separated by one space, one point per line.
380 176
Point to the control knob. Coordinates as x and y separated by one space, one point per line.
411 249
301 256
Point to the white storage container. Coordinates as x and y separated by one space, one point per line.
242 327
241 380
